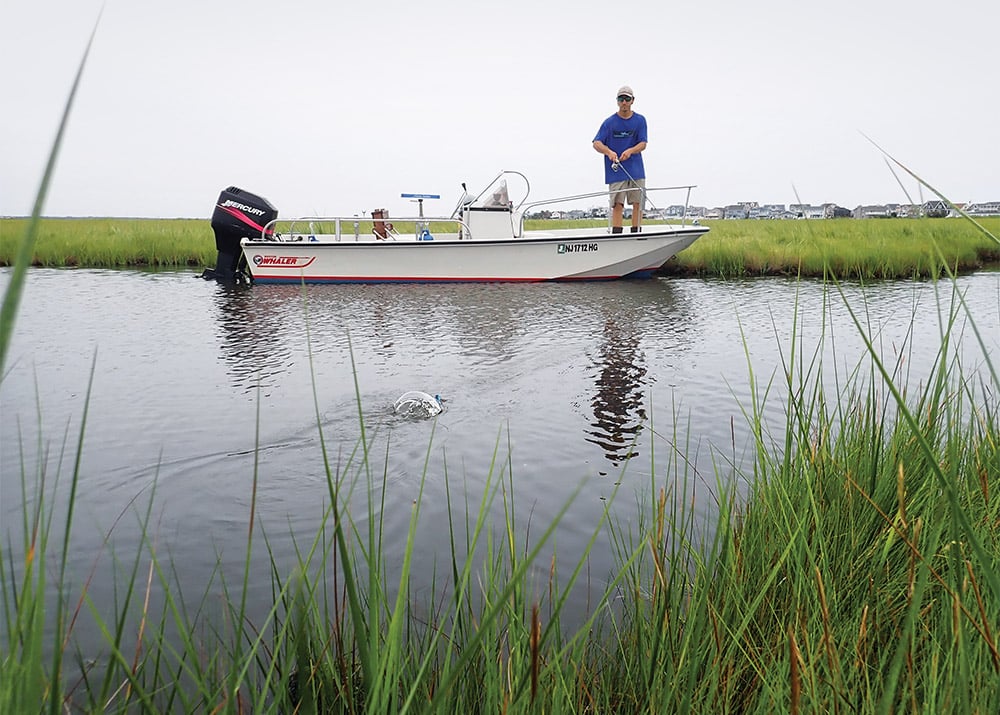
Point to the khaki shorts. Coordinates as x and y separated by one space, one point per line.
629 191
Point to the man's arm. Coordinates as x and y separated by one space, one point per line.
601 148
632 150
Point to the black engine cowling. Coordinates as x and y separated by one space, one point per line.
238 214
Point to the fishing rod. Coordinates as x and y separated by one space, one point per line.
615 166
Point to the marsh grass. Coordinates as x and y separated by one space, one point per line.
115 242
851 249
848 248
859 574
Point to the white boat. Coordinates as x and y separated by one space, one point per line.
483 240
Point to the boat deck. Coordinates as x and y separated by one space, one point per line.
564 234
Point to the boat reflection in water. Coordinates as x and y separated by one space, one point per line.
251 339
492 346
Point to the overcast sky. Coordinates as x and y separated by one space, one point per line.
335 108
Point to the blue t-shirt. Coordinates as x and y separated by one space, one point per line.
618 135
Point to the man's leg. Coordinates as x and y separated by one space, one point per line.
617 216
636 217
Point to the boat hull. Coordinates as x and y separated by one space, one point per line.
565 255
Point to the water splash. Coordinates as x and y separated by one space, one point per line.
417 404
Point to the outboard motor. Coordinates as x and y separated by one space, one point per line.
238 214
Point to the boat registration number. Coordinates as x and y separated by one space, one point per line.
577 247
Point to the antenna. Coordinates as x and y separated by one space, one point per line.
420 200
422 232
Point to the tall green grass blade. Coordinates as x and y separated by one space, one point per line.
948 487
12 296
937 193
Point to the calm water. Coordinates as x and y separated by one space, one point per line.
564 378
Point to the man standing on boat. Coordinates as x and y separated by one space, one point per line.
621 139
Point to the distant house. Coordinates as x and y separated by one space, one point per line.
767 211
807 210
983 208
735 211
874 211
934 209
675 211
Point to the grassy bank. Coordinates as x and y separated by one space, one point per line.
113 242
892 248
848 248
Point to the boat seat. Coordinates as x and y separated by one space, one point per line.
383 229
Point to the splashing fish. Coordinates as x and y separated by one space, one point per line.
417 404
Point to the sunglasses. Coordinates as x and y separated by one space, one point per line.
623 98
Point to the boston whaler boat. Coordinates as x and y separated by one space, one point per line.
482 240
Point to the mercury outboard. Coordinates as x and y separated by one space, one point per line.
238 214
